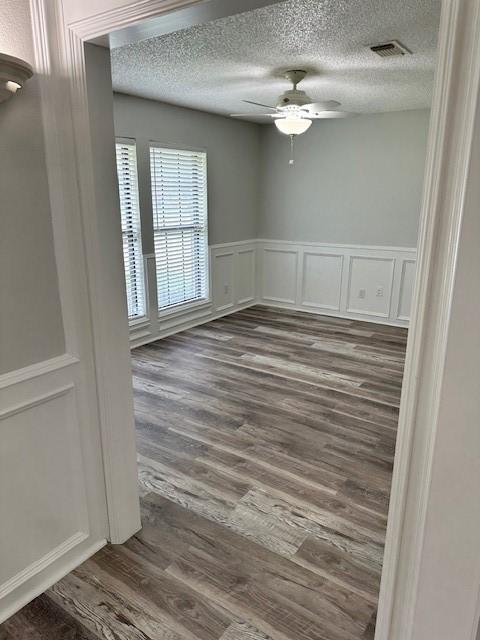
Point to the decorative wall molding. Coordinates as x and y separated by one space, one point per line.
313 277
37 369
102 22
36 401
35 567
43 476
352 281
59 564
232 286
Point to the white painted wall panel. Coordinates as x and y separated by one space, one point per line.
327 278
406 289
52 517
233 278
309 277
41 482
223 279
322 280
371 278
245 274
279 277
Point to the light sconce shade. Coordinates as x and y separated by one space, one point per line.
292 125
13 75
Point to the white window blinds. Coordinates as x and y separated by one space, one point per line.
179 199
132 240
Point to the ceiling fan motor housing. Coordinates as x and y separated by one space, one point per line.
293 99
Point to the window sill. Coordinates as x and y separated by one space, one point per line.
184 308
138 323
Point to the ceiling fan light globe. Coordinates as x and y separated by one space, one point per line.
292 126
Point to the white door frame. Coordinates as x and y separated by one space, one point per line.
59 44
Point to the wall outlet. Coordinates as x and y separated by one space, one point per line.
379 292
226 289
362 293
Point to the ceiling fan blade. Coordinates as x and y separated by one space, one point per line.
327 105
259 104
331 114
253 115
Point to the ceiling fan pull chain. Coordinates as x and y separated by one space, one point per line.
292 159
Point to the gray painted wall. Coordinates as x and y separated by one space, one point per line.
31 328
233 157
354 181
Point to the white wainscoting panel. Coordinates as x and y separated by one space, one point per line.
236 278
407 281
233 286
370 286
321 281
45 495
223 279
353 281
279 274
245 275
41 470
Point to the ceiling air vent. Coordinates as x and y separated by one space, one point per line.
389 49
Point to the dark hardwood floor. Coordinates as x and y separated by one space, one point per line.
266 443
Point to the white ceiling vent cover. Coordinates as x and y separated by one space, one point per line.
389 49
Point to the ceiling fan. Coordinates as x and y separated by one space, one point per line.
295 110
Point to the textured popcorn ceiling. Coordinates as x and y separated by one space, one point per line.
214 66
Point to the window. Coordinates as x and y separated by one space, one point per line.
132 239
179 200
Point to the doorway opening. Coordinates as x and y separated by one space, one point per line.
269 308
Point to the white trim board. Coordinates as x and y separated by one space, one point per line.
331 245
139 341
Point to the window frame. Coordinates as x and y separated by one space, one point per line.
197 303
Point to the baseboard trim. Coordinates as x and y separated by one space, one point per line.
41 564
333 314
263 303
53 577
191 324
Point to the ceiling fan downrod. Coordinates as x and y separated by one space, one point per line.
295 76
292 158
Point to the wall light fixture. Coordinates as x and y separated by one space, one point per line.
13 75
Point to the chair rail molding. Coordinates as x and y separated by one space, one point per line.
61 29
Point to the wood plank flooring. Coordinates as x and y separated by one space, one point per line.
265 443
